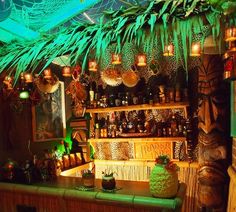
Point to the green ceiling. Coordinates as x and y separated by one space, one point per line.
30 19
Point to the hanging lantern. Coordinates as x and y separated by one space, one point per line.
28 77
24 94
230 34
116 59
195 49
92 66
168 50
141 60
8 82
231 46
66 71
47 73
229 66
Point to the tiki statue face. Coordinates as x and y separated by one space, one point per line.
212 99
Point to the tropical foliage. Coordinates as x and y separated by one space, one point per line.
166 19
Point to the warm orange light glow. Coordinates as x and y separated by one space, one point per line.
168 50
92 66
116 59
195 49
28 77
66 71
47 73
230 34
8 82
232 46
141 60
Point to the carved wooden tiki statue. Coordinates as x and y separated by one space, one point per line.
212 124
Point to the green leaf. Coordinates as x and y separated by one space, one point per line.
164 8
152 21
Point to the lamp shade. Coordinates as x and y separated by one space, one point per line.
141 60
24 94
66 71
28 77
47 73
8 82
230 66
92 65
230 34
116 59
168 50
195 49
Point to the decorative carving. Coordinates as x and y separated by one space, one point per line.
212 126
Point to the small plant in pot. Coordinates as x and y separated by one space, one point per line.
108 181
88 178
163 180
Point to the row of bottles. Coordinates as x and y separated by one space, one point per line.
99 99
118 124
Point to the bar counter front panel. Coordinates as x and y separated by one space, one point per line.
63 195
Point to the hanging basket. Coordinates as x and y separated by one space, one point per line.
163 183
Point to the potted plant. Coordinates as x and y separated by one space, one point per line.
88 178
163 181
108 181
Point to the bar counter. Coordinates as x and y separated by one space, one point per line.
62 195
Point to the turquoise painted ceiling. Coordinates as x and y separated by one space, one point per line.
29 19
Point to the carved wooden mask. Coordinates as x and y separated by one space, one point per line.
212 99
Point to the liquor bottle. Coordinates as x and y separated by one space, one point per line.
91 97
150 96
96 127
173 125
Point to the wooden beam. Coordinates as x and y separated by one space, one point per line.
16 30
67 12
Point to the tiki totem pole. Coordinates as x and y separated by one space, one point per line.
212 137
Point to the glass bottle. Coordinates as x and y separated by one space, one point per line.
150 96
91 96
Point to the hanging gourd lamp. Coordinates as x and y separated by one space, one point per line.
231 46
141 60
66 71
92 65
229 66
168 50
230 34
195 49
23 88
8 82
47 73
28 77
116 59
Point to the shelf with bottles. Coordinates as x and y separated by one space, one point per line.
167 124
144 139
158 106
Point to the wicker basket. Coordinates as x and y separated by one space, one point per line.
163 183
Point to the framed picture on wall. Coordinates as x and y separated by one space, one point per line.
48 117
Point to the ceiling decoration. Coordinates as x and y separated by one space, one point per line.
134 21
